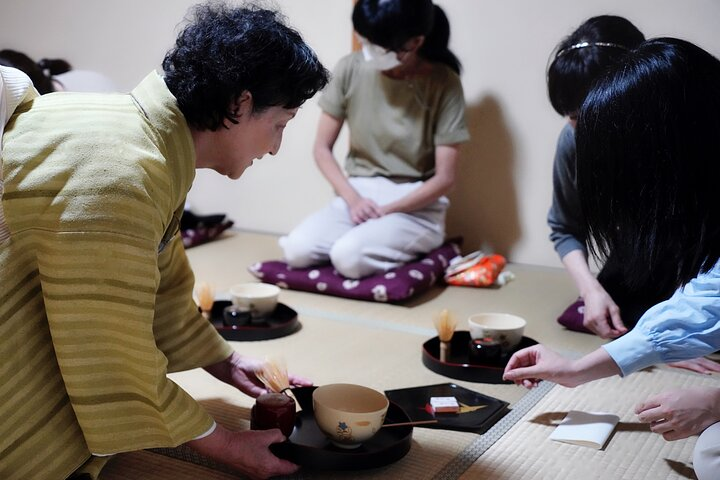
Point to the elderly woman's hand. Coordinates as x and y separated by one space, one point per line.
239 371
247 452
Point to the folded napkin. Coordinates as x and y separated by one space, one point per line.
585 429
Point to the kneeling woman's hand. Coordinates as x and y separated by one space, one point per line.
363 210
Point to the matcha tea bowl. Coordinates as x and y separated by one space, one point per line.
349 414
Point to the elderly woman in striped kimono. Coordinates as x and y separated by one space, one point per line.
95 288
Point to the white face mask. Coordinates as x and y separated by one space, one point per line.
378 57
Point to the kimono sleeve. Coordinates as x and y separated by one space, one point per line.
99 290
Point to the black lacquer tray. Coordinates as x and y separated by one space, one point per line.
477 414
458 365
281 322
309 447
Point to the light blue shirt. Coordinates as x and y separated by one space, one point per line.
685 326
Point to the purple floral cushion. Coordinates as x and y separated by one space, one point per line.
392 286
192 237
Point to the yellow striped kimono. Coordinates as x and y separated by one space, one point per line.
92 316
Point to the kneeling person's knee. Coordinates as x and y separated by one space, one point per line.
297 253
348 259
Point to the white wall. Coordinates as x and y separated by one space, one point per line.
504 190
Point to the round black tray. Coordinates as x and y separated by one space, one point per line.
309 447
458 366
281 322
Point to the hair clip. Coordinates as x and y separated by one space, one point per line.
590 44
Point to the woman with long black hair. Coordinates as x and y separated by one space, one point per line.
648 166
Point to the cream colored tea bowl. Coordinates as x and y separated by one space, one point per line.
349 414
259 298
502 328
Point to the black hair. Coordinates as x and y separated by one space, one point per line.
391 23
225 51
40 73
573 70
648 154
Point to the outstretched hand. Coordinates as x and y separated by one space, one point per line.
530 365
527 367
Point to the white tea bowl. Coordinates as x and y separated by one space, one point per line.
259 298
502 328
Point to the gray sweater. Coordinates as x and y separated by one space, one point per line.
565 217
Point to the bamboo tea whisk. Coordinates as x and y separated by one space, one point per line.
273 374
206 297
445 325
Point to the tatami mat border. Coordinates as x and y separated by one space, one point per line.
467 457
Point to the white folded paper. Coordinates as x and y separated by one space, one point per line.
588 429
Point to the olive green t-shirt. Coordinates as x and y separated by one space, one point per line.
395 125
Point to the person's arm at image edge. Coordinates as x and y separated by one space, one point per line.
528 366
683 327
678 414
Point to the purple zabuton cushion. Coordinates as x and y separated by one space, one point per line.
573 316
392 286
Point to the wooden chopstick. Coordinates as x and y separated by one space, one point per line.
403 424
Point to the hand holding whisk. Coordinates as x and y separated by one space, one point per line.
273 374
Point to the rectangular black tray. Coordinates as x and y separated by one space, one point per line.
415 402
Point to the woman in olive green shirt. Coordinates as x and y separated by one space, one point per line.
403 102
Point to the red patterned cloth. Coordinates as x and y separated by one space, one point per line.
482 271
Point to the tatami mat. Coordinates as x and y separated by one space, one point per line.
379 345
145 465
632 453
327 351
538 294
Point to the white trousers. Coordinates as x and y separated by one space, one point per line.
706 457
371 247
